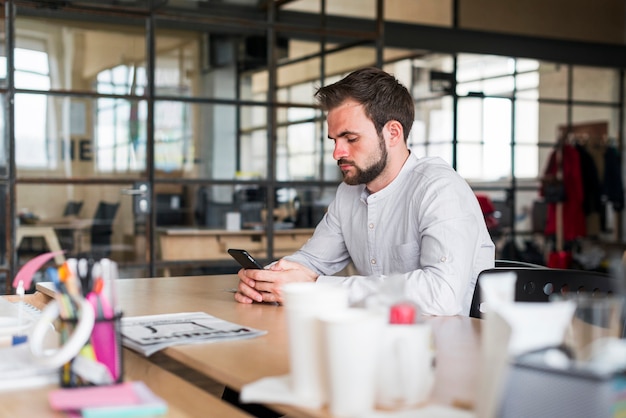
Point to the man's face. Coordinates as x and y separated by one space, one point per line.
360 151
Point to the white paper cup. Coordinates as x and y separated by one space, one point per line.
352 340
405 374
304 302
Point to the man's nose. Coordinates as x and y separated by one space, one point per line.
339 152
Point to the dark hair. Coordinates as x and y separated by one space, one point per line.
380 93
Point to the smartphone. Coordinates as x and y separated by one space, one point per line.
245 259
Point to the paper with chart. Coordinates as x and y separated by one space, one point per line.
151 333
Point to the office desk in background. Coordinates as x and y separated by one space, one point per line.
45 232
78 229
178 244
236 363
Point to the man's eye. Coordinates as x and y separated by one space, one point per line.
351 139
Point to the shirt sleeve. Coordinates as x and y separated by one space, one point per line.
325 252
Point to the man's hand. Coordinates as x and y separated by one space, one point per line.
265 285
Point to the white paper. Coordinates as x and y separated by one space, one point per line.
151 333
277 389
536 325
274 389
18 370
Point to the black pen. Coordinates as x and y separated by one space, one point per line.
84 271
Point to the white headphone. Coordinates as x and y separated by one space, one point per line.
78 338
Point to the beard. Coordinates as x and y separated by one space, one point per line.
367 174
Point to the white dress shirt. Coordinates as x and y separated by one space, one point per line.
426 226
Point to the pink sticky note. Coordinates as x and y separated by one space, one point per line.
130 399
73 399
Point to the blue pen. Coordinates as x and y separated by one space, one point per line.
53 274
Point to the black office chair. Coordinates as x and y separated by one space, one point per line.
72 208
102 229
515 263
66 235
538 284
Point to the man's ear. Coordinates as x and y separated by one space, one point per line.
393 133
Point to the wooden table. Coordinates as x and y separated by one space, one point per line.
236 363
184 399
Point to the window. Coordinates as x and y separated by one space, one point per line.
33 120
487 88
120 137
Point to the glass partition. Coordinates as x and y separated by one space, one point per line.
425 12
4 151
70 55
4 255
195 233
82 220
220 133
67 137
595 84
432 131
553 79
484 135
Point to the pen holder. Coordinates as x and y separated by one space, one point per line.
99 361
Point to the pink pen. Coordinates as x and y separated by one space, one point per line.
104 338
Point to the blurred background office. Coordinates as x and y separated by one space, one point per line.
136 129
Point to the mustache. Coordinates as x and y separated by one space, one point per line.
344 162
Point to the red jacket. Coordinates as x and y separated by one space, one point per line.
574 222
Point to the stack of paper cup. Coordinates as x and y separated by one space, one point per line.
304 302
352 342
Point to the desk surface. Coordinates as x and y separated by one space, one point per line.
184 400
236 363
66 222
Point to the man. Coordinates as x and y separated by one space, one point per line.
394 214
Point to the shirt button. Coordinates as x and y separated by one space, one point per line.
373 261
371 226
442 259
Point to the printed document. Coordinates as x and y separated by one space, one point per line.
151 333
